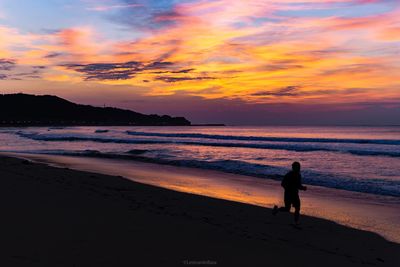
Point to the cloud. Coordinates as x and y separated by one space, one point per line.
169 79
353 69
106 71
277 67
286 91
183 71
168 16
39 67
7 64
175 71
53 55
147 14
75 44
22 73
158 65
112 7
115 71
259 53
390 33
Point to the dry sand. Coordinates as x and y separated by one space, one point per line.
61 217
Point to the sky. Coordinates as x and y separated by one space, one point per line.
323 62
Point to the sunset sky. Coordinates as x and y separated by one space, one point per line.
231 61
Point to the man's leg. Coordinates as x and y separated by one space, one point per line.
296 205
286 208
296 214
288 203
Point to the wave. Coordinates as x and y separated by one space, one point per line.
372 186
56 128
269 139
137 151
101 131
289 147
77 137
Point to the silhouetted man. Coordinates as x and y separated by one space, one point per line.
292 184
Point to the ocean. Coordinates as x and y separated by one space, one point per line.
360 159
352 173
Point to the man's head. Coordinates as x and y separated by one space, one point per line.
296 166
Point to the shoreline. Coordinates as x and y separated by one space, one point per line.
374 213
58 216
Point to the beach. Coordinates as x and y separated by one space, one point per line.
63 217
200 133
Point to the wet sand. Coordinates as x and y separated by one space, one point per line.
369 212
62 217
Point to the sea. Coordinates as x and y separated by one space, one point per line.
362 161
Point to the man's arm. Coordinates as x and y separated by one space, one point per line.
302 187
284 181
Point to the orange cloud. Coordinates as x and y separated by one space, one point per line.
390 34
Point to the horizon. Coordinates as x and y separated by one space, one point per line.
262 62
234 125
231 125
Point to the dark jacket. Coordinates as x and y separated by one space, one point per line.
292 182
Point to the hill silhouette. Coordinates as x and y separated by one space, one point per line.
29 110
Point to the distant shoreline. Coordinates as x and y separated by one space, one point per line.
108 125
105 125
46 110
191 125
87 124
209 124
